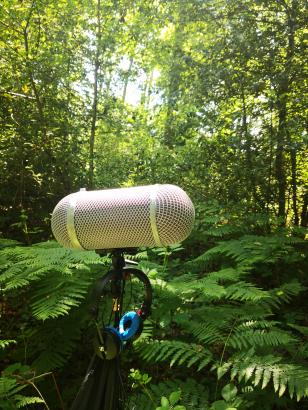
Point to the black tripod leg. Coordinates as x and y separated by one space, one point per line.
101 388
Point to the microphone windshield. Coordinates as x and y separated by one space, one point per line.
153 215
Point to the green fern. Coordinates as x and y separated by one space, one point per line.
194 396
175 352
251 249
24 265
60 280
225 313
23 401
8 243
60 336
256 337
210 287
259 371
60 277
5 343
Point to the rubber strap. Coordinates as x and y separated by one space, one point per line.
153 209
70 223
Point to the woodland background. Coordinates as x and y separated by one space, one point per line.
208 95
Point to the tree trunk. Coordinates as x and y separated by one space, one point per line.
95 95
29 69
174 77
294 185
149 89
280 152
270 170
127 76
283 91
304 213
248 142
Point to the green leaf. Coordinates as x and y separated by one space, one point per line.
220 405
164 402
222 370
6 385
266 378
229 392
174 397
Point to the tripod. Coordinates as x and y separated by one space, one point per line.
102 387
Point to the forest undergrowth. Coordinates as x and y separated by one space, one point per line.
228 328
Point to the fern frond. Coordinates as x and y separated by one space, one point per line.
204 332
211 289
228 274
8 243
176 352
194 396
28 264
5 343
260 371
243 291
251 249
219 231
284 293
7 385
302 329
207 286
56 295
257 337
58 340
64 276
256 324
23 401
147 330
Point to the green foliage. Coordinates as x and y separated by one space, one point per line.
192 394
207 95
172 402
224 320
64 276
14 379
261 370
207 326
176 352
53 281
25 401
5 343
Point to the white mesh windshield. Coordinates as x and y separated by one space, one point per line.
151 215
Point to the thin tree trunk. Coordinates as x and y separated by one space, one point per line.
37 97
95 96
269 183
280 153
149 90
248 143
127 76
144 91
282 133
174 77
294 185
304 213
